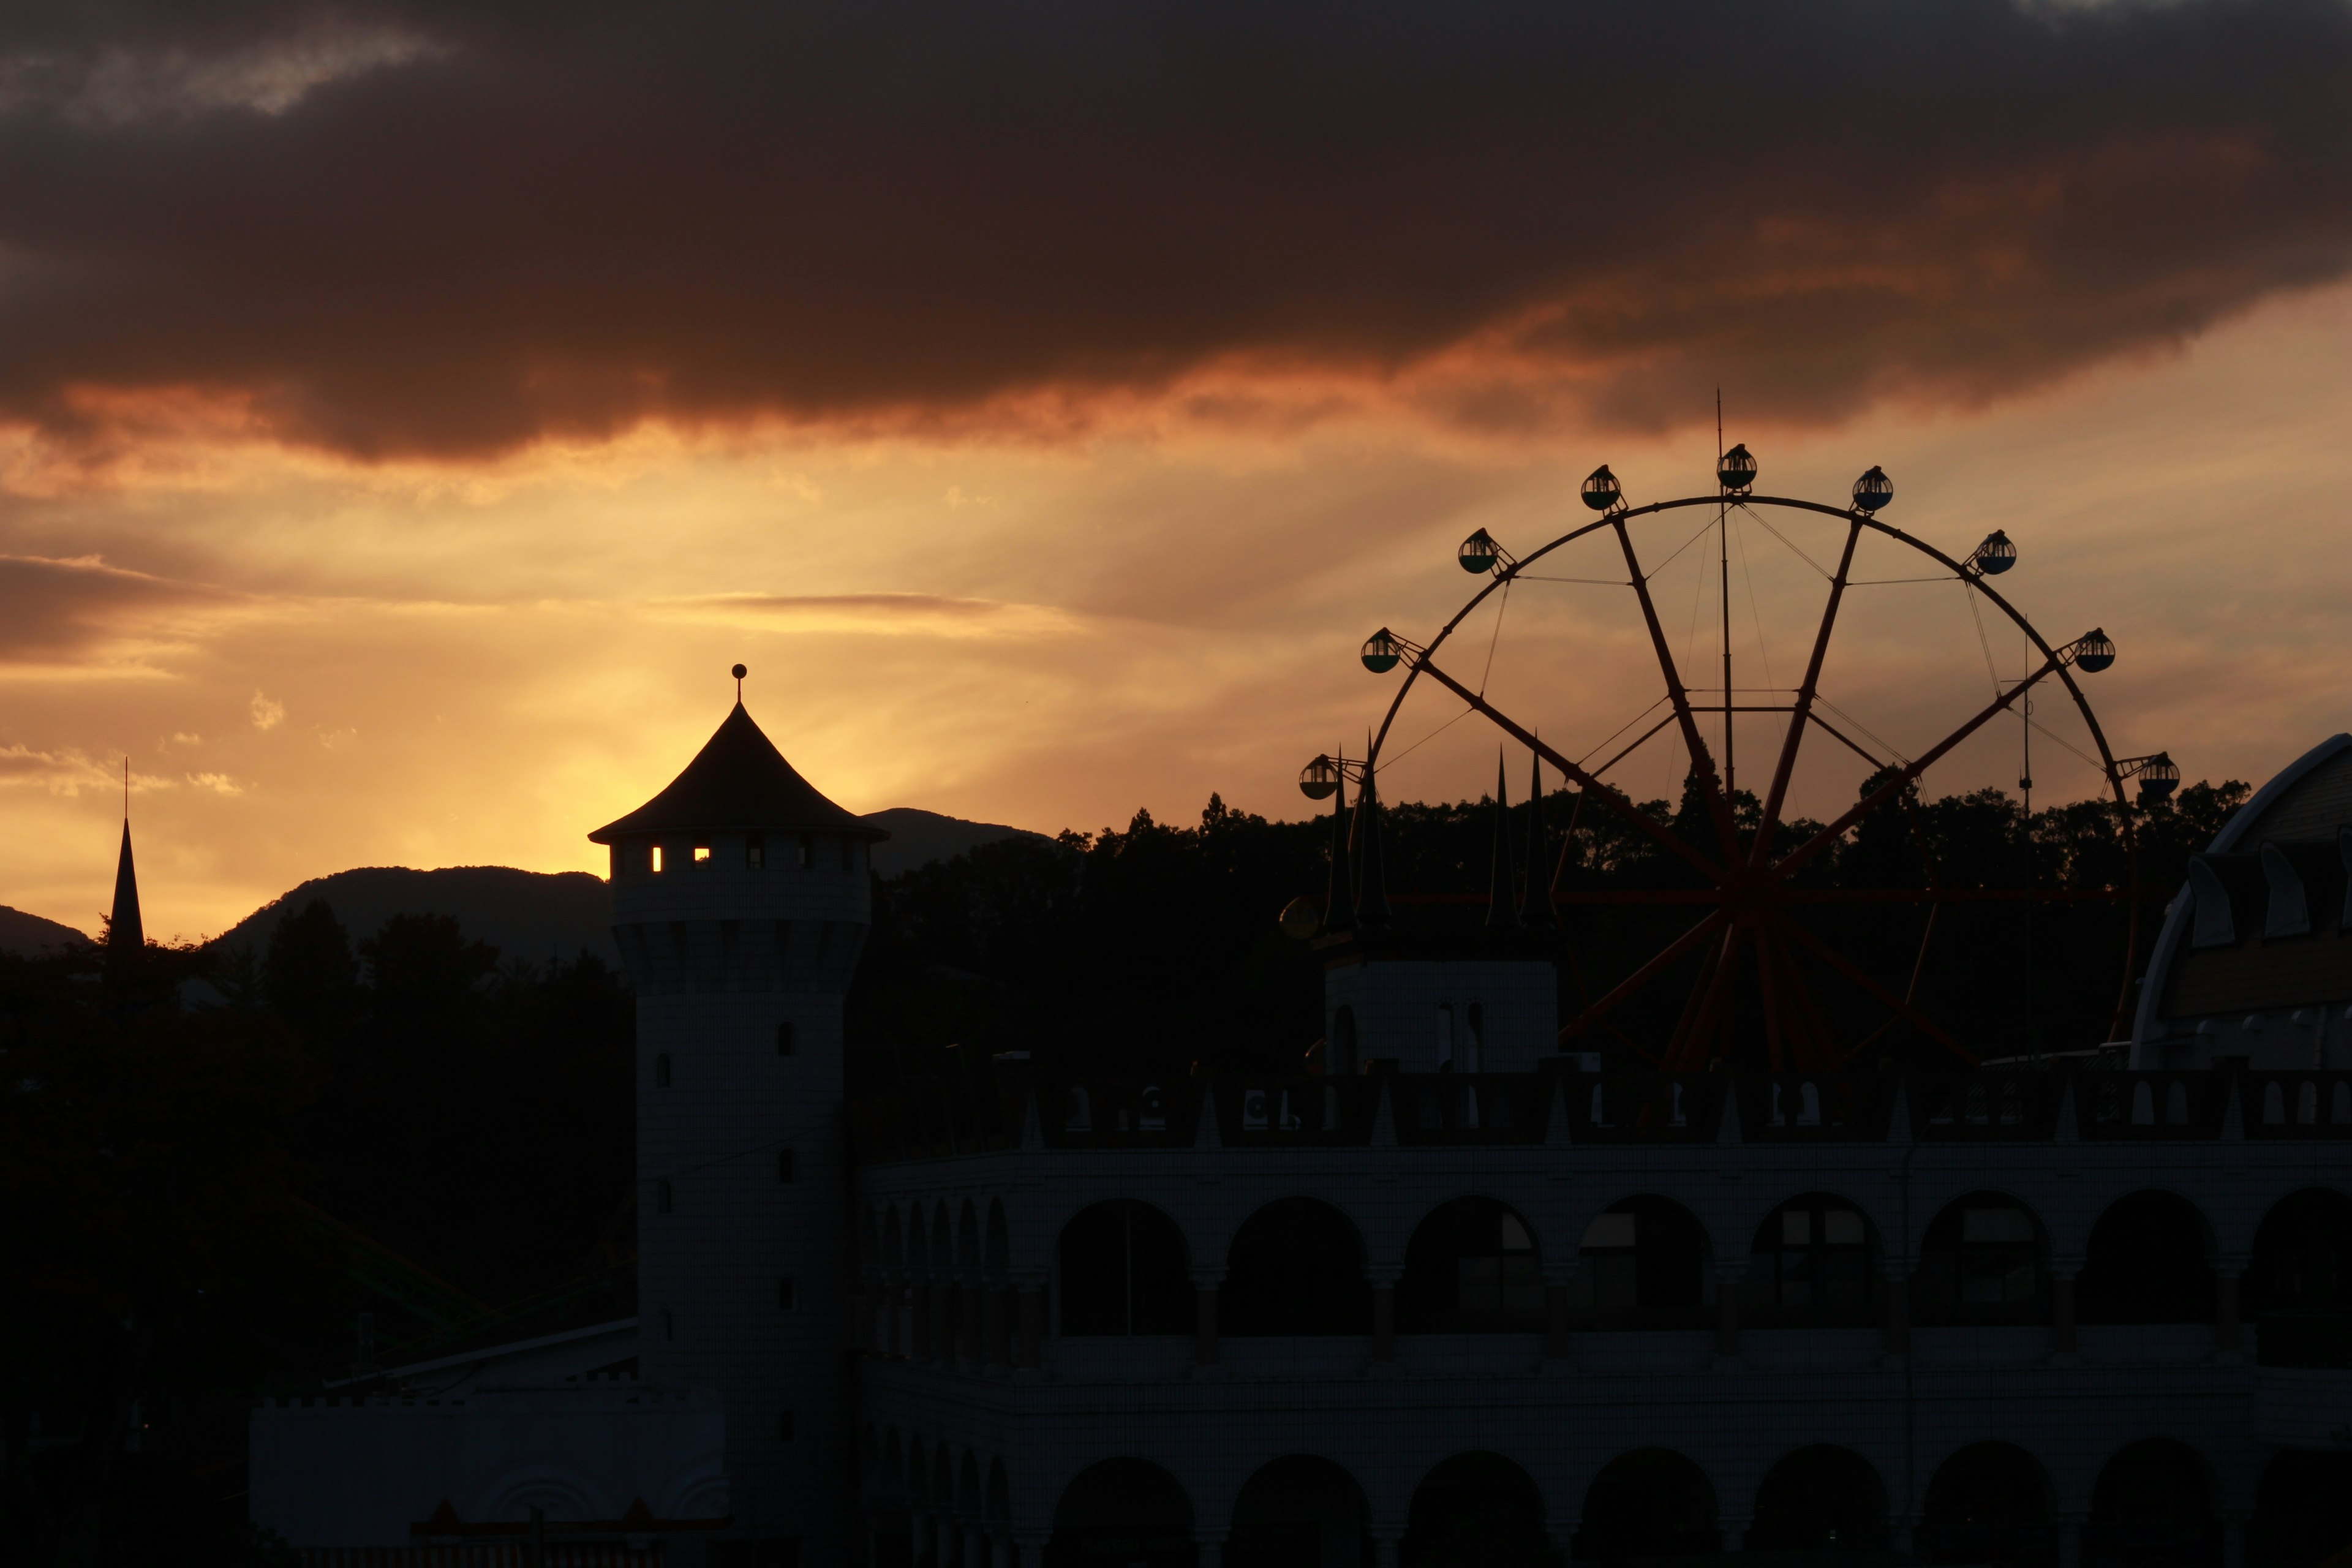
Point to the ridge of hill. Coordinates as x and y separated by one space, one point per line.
536 915
31 935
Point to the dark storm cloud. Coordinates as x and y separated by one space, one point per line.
431 229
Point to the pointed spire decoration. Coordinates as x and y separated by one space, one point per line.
1536 910
125 932
1501 876
1372 881
1340 902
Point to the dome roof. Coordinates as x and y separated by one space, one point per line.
738 781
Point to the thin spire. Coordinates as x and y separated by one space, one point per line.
1372 886
1536 910
1500 876
124 930
1339 900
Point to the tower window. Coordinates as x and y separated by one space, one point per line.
784 1045
661 1197
808 850
657 859
661 1070
755 852
787 1167
785 1294
702 854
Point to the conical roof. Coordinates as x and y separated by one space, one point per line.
123 928
738 782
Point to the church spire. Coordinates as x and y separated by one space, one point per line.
125 930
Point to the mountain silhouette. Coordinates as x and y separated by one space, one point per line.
31 935
534 916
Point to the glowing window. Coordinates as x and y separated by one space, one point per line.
657 858
702 854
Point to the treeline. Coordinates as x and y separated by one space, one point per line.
213 1162
1157 946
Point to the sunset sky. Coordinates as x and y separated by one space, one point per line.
409 411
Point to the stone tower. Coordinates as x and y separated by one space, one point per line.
741 900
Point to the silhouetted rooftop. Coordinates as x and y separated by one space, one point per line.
738 781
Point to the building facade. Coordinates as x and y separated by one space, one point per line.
1464 1297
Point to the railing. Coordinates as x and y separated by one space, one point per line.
968 1114
2313 1104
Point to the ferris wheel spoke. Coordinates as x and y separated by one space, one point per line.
1702 760
1805 1013
1696 1045
1772 997
1624 989
1870 986
1609 795
1904 776
1781 771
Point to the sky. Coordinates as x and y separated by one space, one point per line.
408 412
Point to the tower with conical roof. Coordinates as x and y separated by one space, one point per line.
740 901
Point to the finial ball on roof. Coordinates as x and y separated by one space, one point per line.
740 672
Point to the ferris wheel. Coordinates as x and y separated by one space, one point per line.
1732 938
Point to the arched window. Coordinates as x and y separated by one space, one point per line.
2147 1263
1811 1261
1296 1267
1124 1511
1651 1502
1471 1268
661 1070
1123 1270
1988 1503
661 1196
1982 1260
1299 1509
2152 1504
1342 1056
2302 1257
1822 1499
1643 1261
2303 1509
1476 1508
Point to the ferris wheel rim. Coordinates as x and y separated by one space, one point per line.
1504 575
1508 571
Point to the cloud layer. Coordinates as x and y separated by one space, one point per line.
412 229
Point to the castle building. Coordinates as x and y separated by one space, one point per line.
740 902
1463 1296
